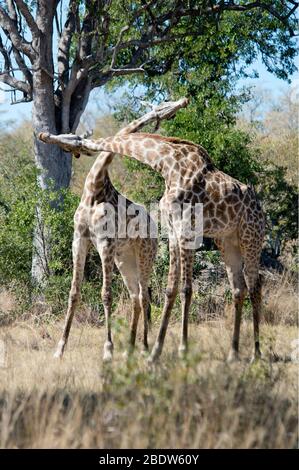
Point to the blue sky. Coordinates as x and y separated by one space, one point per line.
19 112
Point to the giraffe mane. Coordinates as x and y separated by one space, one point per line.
171 140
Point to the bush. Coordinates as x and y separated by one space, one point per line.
19 197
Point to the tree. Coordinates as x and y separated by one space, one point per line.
100 40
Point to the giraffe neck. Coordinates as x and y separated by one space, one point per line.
98 185
147 148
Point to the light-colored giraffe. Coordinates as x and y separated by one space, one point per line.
133 256
232 216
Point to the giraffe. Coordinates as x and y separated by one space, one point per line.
232 215
133 256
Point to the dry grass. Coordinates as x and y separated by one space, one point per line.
202 402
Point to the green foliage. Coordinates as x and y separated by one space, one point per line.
17 206
212 125
143 184
20 196
217 46
280 201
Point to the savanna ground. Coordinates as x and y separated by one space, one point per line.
201 402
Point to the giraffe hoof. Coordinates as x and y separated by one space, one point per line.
153 358
182 352
108 352
232 357
107 356
151 364
129 351
145 352
59 351
257 357
57 354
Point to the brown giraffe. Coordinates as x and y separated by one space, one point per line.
232 216
133 256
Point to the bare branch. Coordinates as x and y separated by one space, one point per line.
12 10
14 83
88 30
65 41
28 17
4 52
23 67
26 99
10 29
126 70
231 6
116 48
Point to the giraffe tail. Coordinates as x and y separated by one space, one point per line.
149 307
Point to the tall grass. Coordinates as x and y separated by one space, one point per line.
201 402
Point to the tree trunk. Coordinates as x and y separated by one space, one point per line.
53 165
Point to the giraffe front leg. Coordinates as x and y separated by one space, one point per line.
144 297
254 286
170 295
186 258
134 321
145 304
80 248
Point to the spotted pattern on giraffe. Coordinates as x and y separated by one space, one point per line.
232 216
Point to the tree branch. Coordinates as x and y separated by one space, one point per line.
28 17
126 71
10 29
116 47
231 6
14 83
4 52
65 41
23 67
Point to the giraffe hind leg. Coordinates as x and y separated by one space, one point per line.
145 305
80 248
127 266
186 261
253 281
234 267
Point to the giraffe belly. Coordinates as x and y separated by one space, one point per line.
214 229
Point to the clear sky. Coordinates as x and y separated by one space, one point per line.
19 112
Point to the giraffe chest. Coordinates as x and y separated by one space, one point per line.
220 211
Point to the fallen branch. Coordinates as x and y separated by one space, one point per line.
76 145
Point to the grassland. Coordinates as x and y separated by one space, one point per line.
201 402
